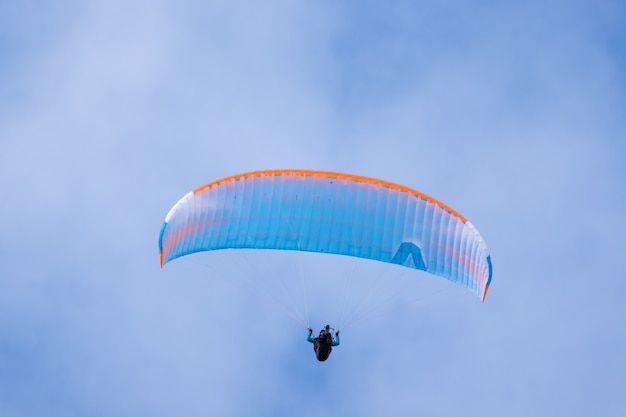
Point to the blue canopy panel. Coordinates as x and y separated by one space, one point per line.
328 212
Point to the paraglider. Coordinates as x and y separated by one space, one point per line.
323 344
333 213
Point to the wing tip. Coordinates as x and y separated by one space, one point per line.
161 255
484 294
488 279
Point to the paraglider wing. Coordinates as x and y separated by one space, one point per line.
328 212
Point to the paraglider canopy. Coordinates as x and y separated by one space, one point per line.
328 212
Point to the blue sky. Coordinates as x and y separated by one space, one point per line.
510 112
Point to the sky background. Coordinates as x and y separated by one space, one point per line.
513 113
